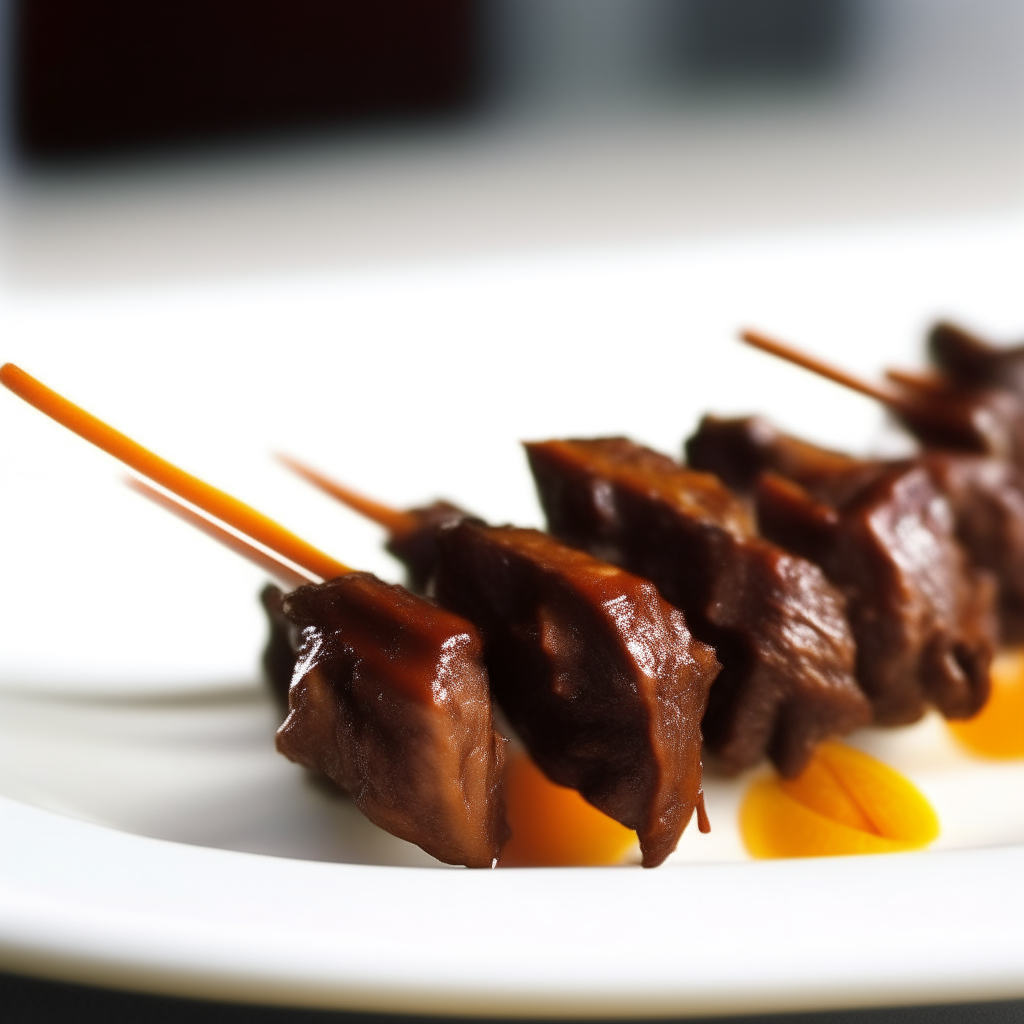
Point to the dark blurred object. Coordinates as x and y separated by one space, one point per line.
728 40
99 75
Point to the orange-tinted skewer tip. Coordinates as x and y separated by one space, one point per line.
214 502
394 520
285 574
930 382
818 366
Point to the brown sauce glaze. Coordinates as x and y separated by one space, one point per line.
596 672
390 700
415 546
777 624
738 450
703 822
982 421
922 617
986 495
987 499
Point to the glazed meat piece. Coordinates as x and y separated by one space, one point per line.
922 617
739 450
986 495
598 675
778 626
390 700
282 642
970 361
940 414
596 672
389 697
411 532
987 499
414 543
939 411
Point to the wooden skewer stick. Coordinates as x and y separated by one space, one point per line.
929 382
214 502
285 574
393 520
822 369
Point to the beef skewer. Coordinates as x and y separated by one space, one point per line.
985 493
598 675
940 414
779 627
390 695
922 616
921 613
412 533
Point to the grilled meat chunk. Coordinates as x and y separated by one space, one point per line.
415 546
596 672
739 450
987 499
986 495
922 617
778 626
390 700
950 417
971 362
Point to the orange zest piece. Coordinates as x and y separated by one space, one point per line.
284 573
393 520
997 730
553 826
844 802
818 788
215 502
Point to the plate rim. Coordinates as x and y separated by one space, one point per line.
81 902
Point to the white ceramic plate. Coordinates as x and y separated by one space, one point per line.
150 836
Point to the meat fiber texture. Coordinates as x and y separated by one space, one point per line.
416 548
923 617
921 613
987 500
390 700
778 626
598 675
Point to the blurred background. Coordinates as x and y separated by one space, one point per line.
194 137
201 200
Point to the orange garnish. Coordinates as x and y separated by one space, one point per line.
997 730
553 826
844 802
818 787
215 502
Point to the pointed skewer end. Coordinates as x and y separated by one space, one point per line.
395 521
